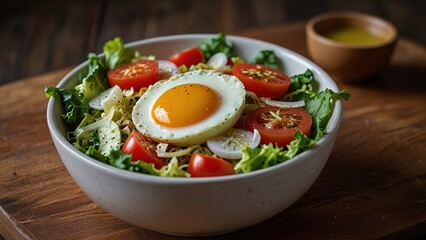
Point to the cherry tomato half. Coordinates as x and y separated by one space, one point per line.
142 148
279 129
137 75
262 80
188 57
201 165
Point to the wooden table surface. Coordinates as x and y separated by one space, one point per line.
373 186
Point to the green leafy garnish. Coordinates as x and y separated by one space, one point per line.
269 155
297 81
124 161
116 54
95 82
217 44
321 106
74 106
267 58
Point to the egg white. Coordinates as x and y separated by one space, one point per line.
230 89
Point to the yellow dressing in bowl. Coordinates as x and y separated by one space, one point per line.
352 35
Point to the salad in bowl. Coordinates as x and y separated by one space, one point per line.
203 111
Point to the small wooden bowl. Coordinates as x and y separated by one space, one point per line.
350 62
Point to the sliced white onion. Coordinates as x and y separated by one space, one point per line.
166 69
274 103
218 61
283 104
255 140
229 144
106 99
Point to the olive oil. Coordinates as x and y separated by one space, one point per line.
353 35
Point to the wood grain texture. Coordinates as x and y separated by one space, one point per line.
373 186
42 35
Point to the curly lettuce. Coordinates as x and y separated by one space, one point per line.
217 44
74 105
269 155
267 58
320 105
95 82
302 81
116 54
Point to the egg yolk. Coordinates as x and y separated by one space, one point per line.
185 105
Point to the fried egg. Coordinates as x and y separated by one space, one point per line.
190 108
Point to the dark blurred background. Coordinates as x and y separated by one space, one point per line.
40 36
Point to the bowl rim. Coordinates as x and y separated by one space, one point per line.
311 32
332 128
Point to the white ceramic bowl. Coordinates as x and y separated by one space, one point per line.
197 206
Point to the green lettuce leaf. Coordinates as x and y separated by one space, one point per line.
172 169
300 83
300 144
217 44
124 161
75 107
95 82
297 81
116 54
321 106
269 155
266 57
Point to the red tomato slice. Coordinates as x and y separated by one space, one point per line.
279 130
202 165
137 75
262 80
188 57
142 148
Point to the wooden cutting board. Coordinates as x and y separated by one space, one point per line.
373 186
